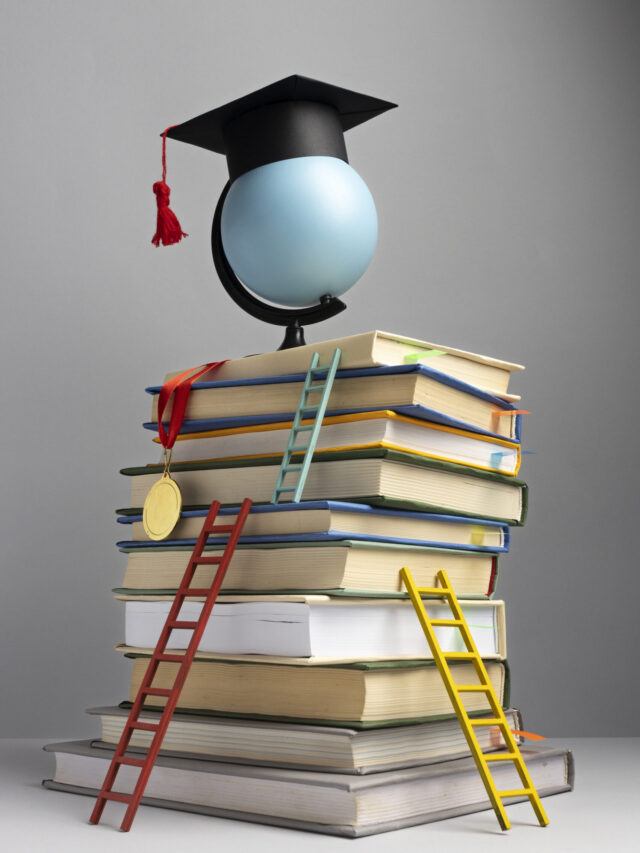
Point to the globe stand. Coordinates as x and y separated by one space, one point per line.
292 318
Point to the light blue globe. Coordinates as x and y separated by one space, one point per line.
296 230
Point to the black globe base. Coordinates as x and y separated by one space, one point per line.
292 318
293 337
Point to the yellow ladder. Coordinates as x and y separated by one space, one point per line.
467 723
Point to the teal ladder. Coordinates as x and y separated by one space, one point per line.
308 388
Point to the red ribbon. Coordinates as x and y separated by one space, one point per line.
181 385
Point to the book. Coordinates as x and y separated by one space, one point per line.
307 747
315 626
330 803
339 566
334 520
414 390
380 477
384 429
377 349
358 695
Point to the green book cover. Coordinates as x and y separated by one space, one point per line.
352 724
375 500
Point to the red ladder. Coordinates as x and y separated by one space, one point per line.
185 660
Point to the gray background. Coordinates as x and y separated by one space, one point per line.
507 190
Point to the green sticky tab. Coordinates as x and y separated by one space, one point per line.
414 357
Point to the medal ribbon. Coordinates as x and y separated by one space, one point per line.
180 385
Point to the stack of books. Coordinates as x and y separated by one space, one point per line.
313 701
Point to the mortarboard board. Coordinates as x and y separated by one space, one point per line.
294 117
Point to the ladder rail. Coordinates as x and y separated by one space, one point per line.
467 723
318 409
159 655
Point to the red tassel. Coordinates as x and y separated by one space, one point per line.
168 229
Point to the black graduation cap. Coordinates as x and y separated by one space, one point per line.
295 117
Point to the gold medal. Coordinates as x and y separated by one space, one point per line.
162 505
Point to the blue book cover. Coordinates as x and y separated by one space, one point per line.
414 411
333 535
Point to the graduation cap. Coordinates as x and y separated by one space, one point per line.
294 117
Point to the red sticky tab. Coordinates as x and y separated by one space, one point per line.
501 412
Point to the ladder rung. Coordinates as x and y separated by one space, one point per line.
119 798
473 688
311 388
485 721
440 591
292 468
221 528
319 369
519 792
208 561
134 762
308 409
502 756
287 489
449 623
304 428
298 448
182 624
145 727
169 658
191 590
156 691
460 655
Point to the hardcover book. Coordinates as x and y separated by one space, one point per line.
380 477
361 567
307 747
316 626
357 695
377 349
384 429
330 803
322 520
413 390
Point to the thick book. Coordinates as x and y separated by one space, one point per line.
384 429
317 521
330 803
414 390
306 747
377 349
366 694
379 477
339 566
316 626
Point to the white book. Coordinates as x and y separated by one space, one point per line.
317 627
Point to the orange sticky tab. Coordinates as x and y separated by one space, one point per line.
501 412
528 735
